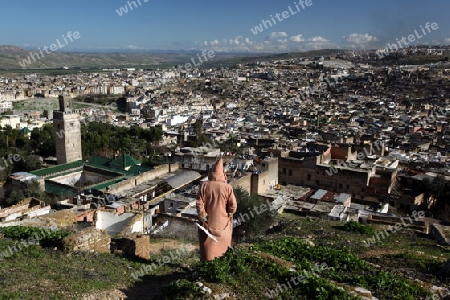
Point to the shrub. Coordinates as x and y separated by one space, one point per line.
252 221
45 237
183 289
357 227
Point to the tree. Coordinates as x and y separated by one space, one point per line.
253 216
439 188
42 140
31 189
27 163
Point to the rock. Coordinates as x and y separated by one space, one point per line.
62 219
221 296
89 239
309 242
137 245
362 292
207 290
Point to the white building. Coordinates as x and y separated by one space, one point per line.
117 90
5 105
11 120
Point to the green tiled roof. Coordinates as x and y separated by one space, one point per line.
57 169
124 161
105 184
117 165
59 189
25 130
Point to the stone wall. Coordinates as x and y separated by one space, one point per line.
178 227
142 178
244 182
89 239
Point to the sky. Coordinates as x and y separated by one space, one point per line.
222 25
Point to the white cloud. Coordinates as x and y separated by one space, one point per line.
357 38
318 39
134 47
275 35
447 41
278 42
297 38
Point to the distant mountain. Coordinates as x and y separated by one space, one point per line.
13 58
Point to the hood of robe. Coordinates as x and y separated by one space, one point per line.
217 172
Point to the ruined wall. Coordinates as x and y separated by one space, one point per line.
89 239
140 179
178 227
111 222
265 180
244 182
13 209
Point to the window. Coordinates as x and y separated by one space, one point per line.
362 190
290 172
317 182
340 185
348 186
309 176
284 171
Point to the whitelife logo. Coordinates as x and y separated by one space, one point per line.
411 38
34 56
124 9
281 17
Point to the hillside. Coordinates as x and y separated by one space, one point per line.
324 260
10 56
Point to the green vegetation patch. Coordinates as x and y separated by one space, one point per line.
354 226
45 237
253 275
345 268
183 289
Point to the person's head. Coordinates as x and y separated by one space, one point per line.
217 172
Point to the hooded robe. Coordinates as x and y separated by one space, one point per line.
216 205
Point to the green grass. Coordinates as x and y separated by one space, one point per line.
245 272
44 273
36 273
354 226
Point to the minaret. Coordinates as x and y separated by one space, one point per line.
68 133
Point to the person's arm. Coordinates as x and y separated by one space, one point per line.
200 204
231 203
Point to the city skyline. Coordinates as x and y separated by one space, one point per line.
251 26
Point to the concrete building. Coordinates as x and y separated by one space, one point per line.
68 133
10 120
317 167
5 106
